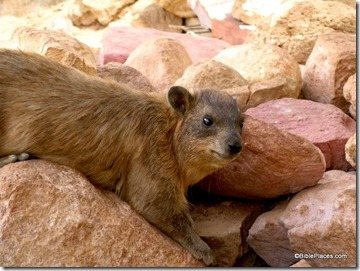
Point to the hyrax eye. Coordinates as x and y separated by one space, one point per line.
207 121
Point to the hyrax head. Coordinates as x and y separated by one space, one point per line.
212 122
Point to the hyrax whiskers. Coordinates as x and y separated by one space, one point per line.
146 147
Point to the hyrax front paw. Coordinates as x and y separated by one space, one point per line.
203 252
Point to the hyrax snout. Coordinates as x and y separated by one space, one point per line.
146 147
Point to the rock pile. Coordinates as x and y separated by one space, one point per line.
299 133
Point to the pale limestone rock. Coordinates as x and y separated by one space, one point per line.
264 62
55 45
349 92
296 25
331 63
87 12
350 151
177 7
147 13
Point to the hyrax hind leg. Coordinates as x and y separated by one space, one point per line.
13 158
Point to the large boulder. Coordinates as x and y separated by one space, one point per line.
161 60
318 224
331 63
55 45
296 25
51 216
119 42
324 125
264 62
272 163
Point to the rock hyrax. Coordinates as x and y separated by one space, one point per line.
147 147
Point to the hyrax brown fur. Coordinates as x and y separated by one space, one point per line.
147 148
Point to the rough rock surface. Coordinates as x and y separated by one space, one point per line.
302 264
126 75
119 42
224 226
22 8
147 13
254 12
331 63
53 217
349 92
324 125
57 46
319 219
263 62
210 74
268 237
322 219
87 12
268 168
296 25
161 60
177 7
350 151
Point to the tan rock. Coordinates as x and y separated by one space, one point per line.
53 217
350 151
302 263
125 75
322 220
296 25
161 60
268 238
210 74
349 92
268 168
178 7
224 226
21 8
331 63
87 12
264 62
8 25
147 13
254 12
55 45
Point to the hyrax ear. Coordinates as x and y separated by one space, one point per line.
180 99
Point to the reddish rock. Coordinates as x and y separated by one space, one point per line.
126 75
272 163
51 216
119 42
326 126
230 30
161 60
330 64
322 219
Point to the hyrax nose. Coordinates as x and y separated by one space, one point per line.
234 148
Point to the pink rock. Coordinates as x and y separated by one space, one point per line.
325 125
272 163
52 216
119 42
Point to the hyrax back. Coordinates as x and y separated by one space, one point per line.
147 148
